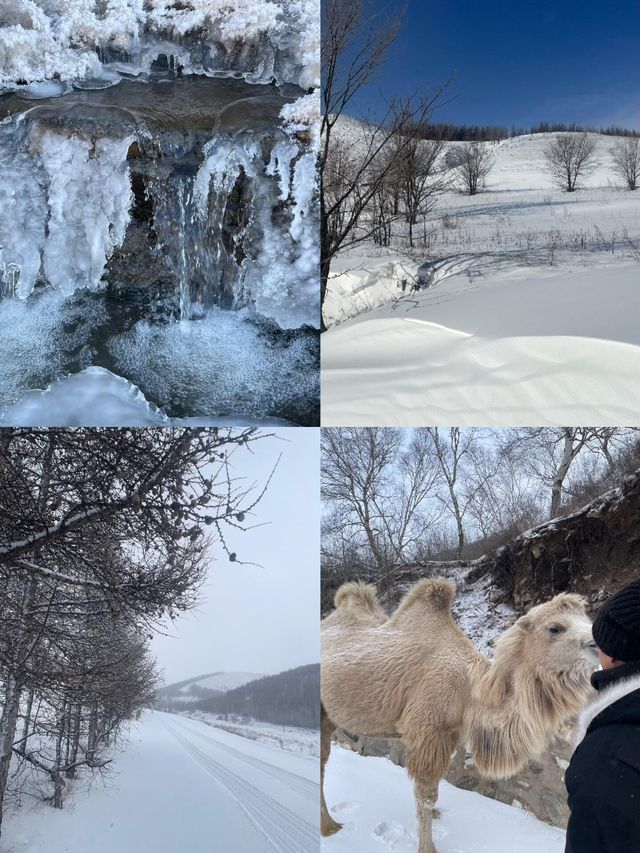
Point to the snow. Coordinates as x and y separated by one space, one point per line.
228 680
373 799
525 311
45 39
302 112
180 785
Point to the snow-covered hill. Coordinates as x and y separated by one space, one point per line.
196 688
517 305
224 681
374 801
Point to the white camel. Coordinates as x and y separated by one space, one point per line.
416 675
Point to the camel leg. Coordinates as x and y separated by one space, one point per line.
328 826
426 794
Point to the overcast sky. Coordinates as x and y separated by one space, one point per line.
262 620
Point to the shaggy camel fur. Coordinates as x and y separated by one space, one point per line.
416 675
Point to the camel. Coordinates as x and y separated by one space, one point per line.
417 676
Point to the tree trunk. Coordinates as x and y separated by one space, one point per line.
8 724
459 524
325 267
75 742
568 455
92 735
57 771
13 689
325 257
22 747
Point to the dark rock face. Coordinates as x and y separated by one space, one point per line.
593 551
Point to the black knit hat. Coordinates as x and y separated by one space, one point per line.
616 628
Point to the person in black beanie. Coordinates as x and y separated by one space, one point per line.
603 779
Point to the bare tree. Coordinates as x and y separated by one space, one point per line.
423 178
625 155
354 45
452 453
377 491
503 495
472 162
569 158
551 453
102 524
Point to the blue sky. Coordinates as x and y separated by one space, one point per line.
517 62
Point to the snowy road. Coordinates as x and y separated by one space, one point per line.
182 785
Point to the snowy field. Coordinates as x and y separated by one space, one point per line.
289 738
373 799
515 306
181 785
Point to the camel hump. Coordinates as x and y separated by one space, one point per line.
437 593
358 595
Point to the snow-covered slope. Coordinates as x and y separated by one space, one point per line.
227 680
373 799
189 690
519 307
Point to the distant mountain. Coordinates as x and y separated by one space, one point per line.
291 698
182 693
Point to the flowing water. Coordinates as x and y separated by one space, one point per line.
163 231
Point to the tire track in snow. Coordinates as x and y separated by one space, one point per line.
306 787
286 832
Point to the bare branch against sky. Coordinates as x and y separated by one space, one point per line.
260 619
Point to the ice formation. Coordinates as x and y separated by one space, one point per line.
89 200
120 215
279 273
260 39
64 206
23 211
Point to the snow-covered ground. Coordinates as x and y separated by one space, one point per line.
519 306
289 738
373 799
181 785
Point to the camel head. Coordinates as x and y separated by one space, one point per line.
554 640
540 677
